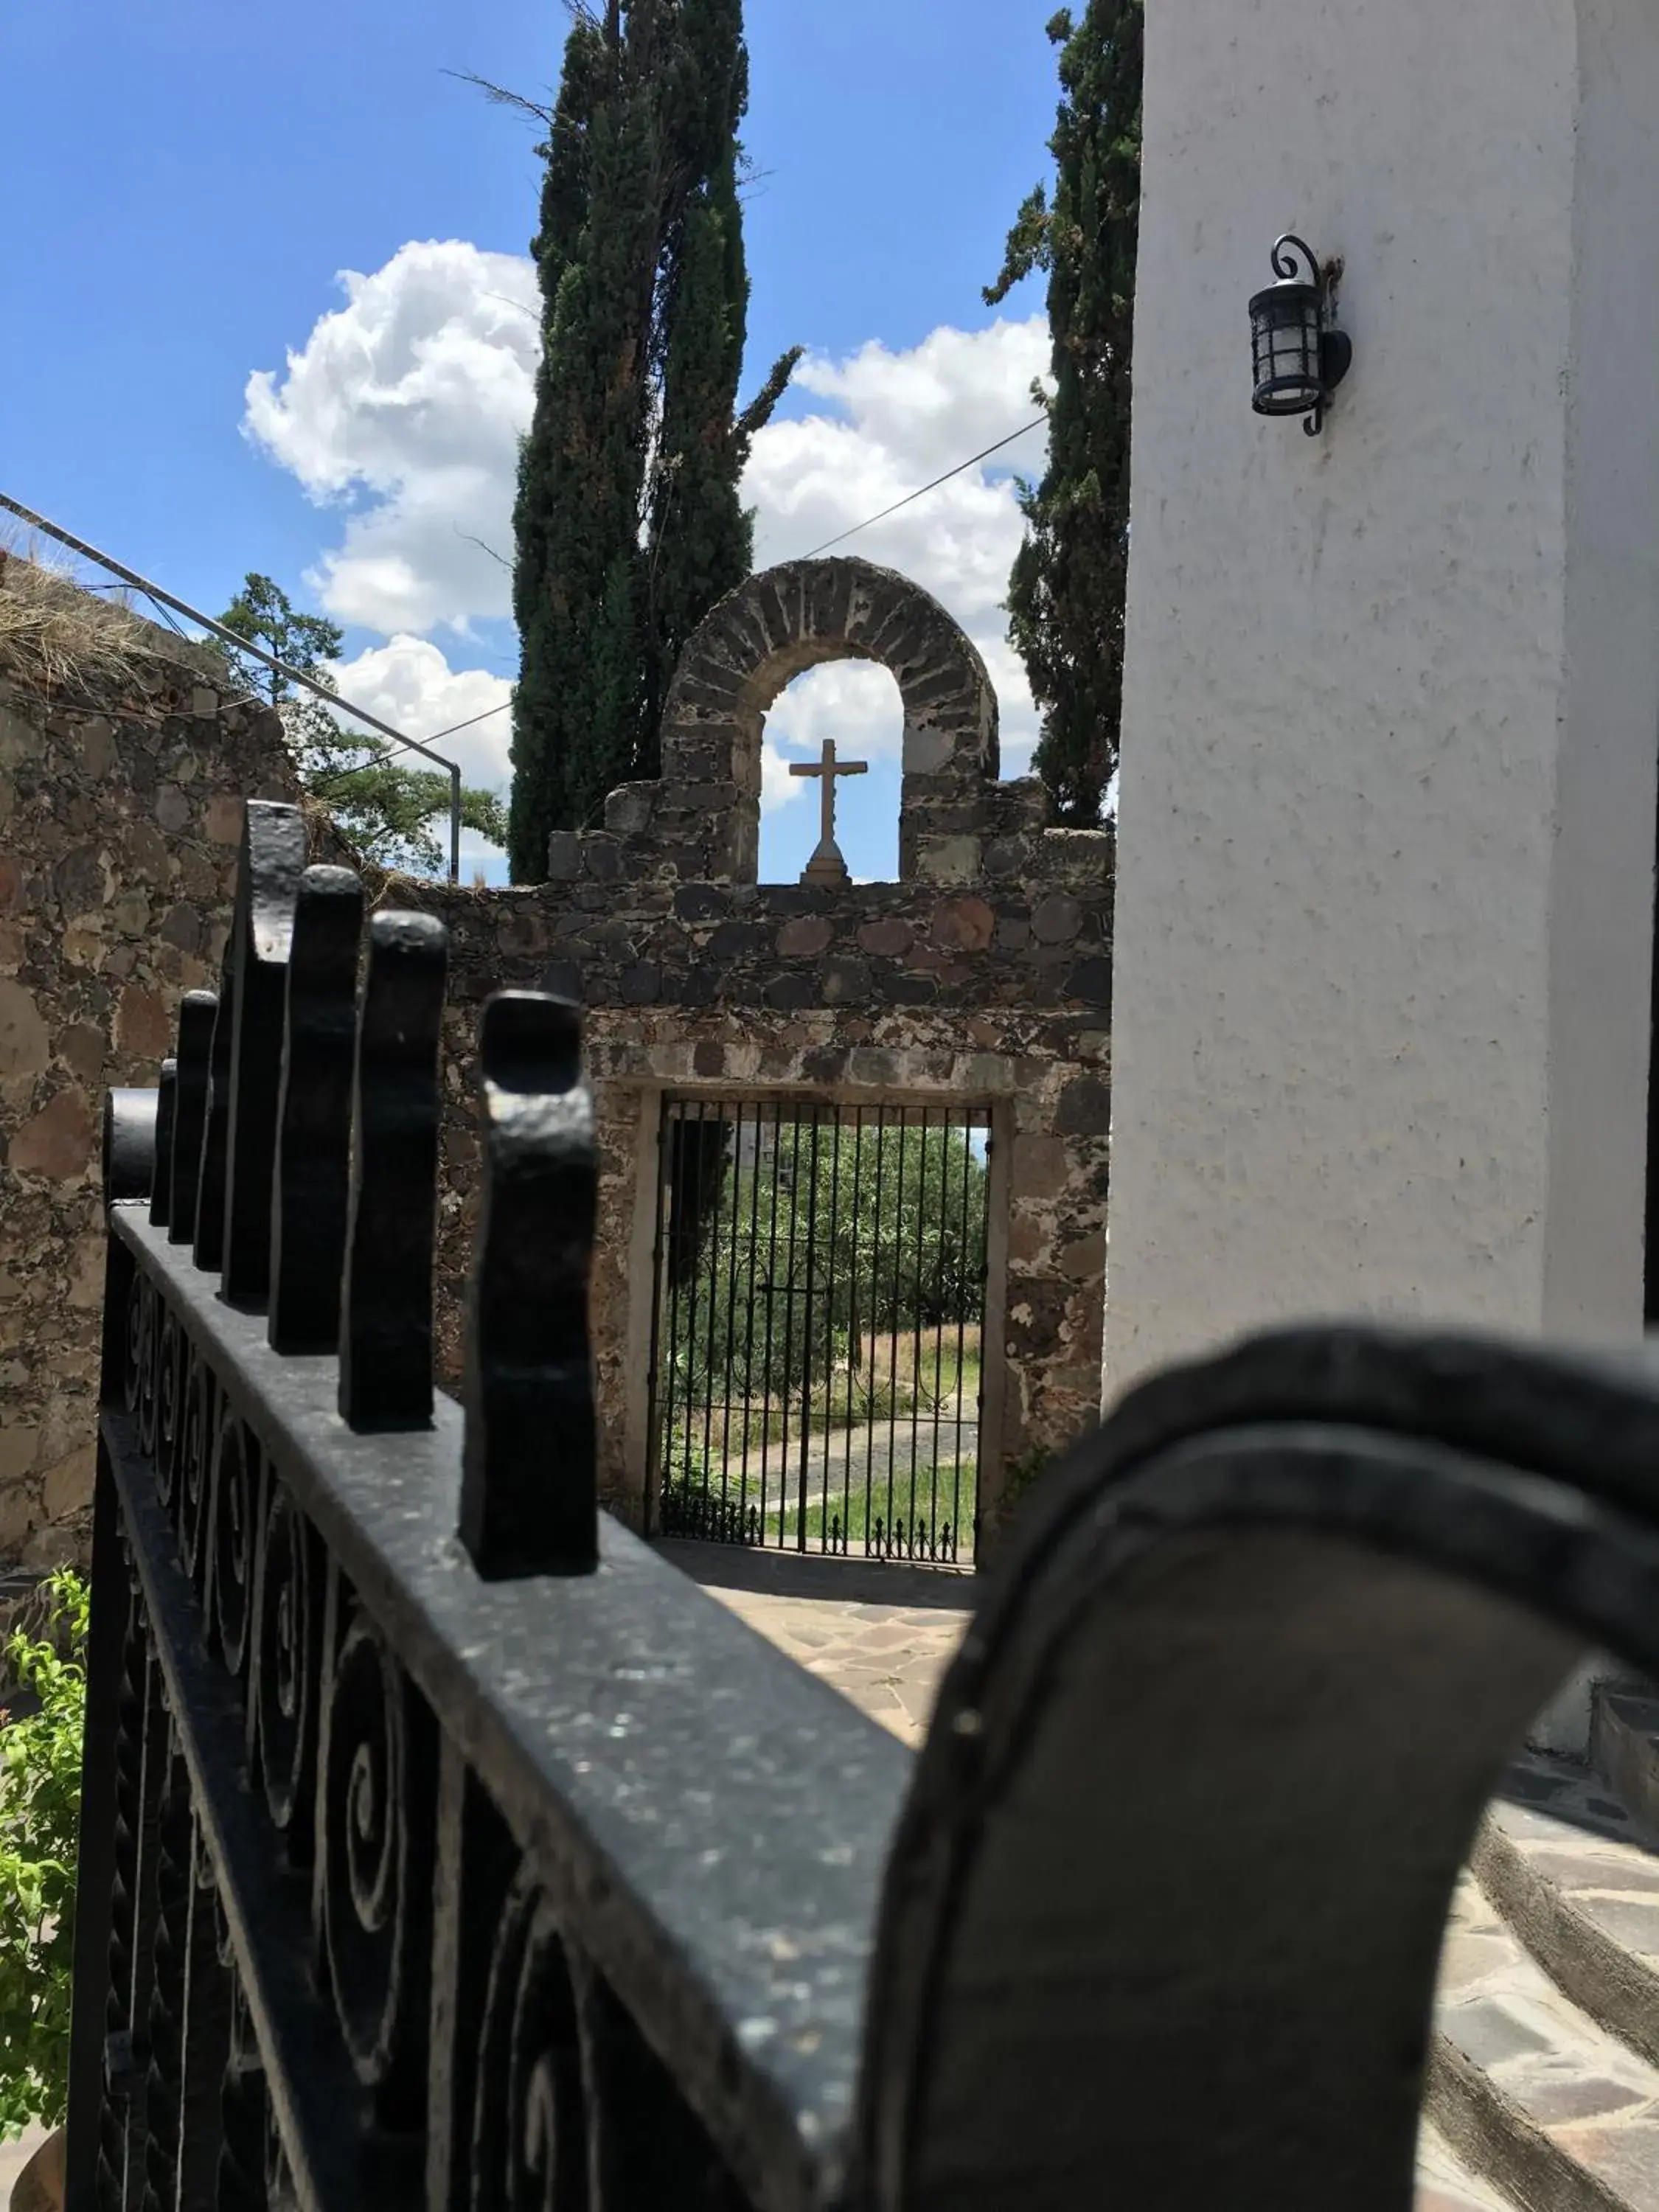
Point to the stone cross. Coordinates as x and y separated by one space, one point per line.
826 865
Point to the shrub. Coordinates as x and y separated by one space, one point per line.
39 1820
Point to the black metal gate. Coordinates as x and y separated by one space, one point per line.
816 1356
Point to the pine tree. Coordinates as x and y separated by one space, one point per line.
1065 593
628 524
387 809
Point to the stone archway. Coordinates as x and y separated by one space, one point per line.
788 619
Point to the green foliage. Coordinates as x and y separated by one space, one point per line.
39 1822
874 1239
1022 1474
946 1495
1065 593
395 816
627 525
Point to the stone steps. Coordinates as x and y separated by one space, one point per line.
1625 1751
1529 2091
1444 2184
1544 2076
1581 1891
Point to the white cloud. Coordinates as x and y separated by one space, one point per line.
778 787
411 398
853 701
956 393
409 684
901 419
402 409
481 861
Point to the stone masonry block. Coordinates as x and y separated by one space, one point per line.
948 859
806 937
1057 919
628 809
963 925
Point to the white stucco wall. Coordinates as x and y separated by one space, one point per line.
1385 877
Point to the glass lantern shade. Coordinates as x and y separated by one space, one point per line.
1287 325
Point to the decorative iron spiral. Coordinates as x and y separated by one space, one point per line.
174 1879
169 1403
244 2112
123 1932
1285 251
529 2148
234 1491
133 1370
284 1686
150 1360
195 1455
377 1877
280 2193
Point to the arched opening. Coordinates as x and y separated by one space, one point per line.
857 703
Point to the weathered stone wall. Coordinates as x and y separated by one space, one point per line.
999 997
118 827
702 819
982 978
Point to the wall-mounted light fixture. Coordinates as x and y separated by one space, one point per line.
1299 360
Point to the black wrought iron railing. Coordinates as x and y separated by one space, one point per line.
443 1848
440 1840
818 1319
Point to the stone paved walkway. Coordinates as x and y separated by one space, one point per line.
882 1635
14 2156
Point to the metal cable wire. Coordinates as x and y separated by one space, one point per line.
257 652
910 497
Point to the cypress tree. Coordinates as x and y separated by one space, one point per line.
1065 593
700 538
581 472
628 523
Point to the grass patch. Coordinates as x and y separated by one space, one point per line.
894 1381
850 1520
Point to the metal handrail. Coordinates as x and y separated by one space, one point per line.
258 652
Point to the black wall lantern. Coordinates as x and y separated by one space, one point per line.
1299 360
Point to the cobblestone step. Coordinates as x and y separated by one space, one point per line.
1577 1880
1531 2105
1625 1750
1532 2093
1444 2184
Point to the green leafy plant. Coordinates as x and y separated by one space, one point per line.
1022 1474
390 813
39 1822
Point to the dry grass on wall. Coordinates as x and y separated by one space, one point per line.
58 638
126 758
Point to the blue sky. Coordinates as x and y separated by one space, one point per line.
187 182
